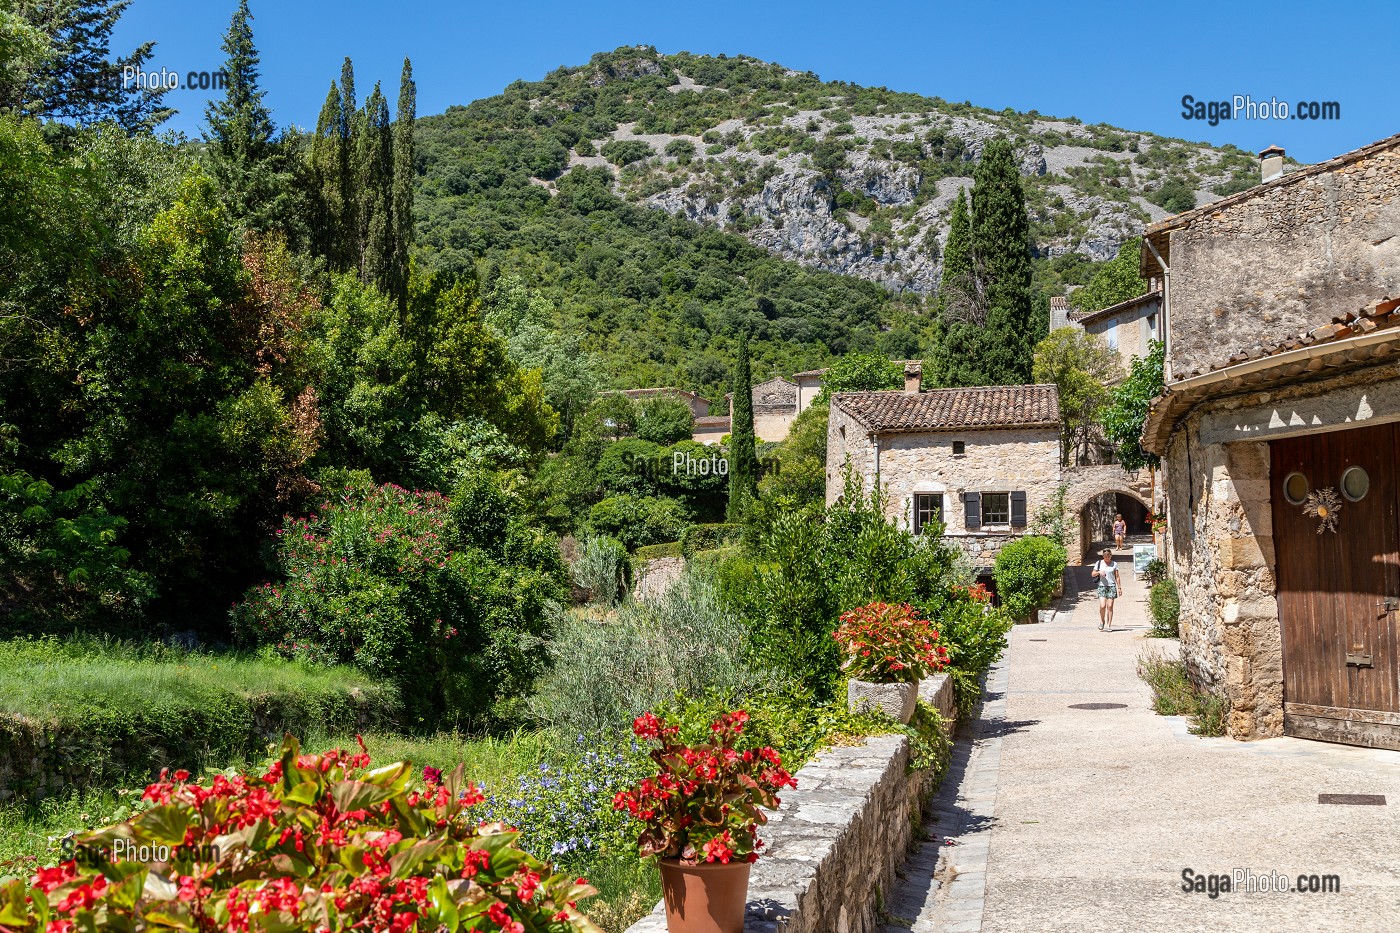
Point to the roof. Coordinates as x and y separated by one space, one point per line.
1093 317
1327 350
986 407
1157 234
712 421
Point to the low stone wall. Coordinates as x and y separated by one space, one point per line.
836 840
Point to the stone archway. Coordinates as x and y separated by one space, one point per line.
1085 483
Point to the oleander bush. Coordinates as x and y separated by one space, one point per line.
451 601
1027 573
975 635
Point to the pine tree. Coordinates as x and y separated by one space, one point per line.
72 79
1001 249
402 204
241 150
743 455
374 177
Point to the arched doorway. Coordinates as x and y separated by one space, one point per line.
1097 515
1094 495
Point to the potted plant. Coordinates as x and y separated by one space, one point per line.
702 813
889 648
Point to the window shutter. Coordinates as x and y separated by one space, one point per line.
1018 510
972 510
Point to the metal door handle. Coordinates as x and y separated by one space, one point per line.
1391 603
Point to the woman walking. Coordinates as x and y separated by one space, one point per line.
1120 531
1106 572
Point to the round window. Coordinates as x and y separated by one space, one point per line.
1295 488
1355 483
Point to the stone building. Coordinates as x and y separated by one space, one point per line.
1127 328
698 404
774 408
983 460
1280 433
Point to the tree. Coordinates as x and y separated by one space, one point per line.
743 456
955 360
71 78
1001 250
1080 366
861 372
401 206
247 165
665 420
1129 404
374 174
1113 281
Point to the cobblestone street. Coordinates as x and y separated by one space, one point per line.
1084 819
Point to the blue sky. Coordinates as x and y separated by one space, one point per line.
1102 62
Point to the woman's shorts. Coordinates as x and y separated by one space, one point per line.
1108 591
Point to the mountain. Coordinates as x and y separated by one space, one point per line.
606 185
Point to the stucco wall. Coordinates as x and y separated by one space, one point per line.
1134 330
994 461
1285 261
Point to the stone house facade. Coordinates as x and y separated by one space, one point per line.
983 460
1280 432
698 404
1127 328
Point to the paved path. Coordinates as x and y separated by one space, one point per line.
1083 820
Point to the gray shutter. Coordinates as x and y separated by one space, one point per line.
1018 510
972 510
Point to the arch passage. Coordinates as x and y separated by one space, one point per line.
1084 485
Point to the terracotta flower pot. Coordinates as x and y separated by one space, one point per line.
894 700
708 898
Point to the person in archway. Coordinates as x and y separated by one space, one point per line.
1106 572
1120 531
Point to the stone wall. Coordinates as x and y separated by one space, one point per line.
836 840
1026 460
1220 537
1285 260
655 577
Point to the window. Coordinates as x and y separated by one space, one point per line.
1111 336
1152 324
1295 488
996 508
959 448
1355 483
928 509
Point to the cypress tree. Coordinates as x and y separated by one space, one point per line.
402 204
957 353
348 125
374 177
327 161
743 456
1001 249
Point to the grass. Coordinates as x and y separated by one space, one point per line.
1173 694
88 712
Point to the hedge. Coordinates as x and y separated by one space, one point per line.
699 538
655 551
86 715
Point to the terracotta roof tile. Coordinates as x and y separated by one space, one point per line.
989 407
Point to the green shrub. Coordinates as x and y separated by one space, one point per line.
626 151
1164 603
416 589
665 420
1155 572
1027 572
606 674
654 551
635 520
975 636
601 569
709 537
682 150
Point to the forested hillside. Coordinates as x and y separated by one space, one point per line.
829 175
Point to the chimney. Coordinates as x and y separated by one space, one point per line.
913 375
1270 163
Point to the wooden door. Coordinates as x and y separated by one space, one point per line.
1337 591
